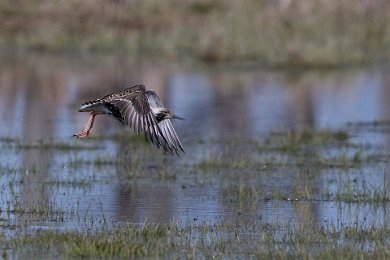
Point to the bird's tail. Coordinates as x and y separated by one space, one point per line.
90 106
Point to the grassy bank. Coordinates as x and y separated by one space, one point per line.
274 33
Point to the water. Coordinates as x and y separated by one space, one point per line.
55 188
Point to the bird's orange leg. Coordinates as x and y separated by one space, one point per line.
88 127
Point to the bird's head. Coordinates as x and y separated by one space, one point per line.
163 113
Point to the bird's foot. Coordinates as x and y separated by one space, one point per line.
82 134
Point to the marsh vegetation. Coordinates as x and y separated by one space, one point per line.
277 165
314 169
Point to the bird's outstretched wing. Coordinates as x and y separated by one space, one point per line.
167 131
135 111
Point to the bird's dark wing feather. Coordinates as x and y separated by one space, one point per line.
136 112
168 132
172 141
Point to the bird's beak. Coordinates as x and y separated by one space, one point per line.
177 117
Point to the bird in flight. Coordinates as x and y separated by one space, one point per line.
142 110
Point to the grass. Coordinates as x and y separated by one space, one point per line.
283 34
352 193
125 242
96 162
218 162
219 240
243 193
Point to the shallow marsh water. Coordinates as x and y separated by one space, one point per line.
262 147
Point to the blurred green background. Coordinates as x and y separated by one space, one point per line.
270 32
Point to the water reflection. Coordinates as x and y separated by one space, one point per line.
39 97
47 90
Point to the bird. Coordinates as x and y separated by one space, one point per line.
140 109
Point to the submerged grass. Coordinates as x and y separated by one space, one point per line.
294 140
46 145
302 156
321 149
352 193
